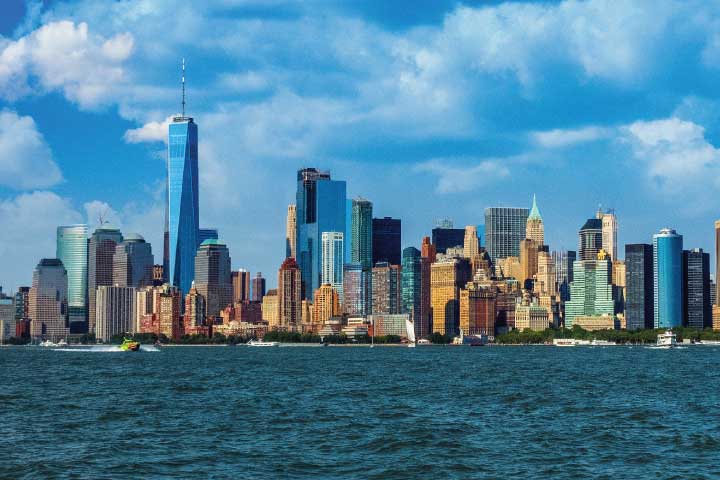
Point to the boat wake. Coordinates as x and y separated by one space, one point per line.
105 349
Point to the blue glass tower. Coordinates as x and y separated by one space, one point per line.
668 275
320 207
182 202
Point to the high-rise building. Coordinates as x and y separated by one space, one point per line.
133 262
213 276
195 311
415 290
471 244
697 308
258 287
333 252
48 300
427 250
564 260
320 207
326 304
609 232
115 311
357 290
717 262
240 280
528 261
546 275
101 252
447 277
590 236
289 298
591 292
168 311
291 232
504 228
534 227
271 309
72 251
667 285
386 291
444 236
639 303
531 315
207 234
478 309
361 241
183 205
386 240
7 318
22 303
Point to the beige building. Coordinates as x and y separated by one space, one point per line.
528 260
446 278
532 316
471 246
168 311
270 309
291 232
534 227
609 232
326 305
545 283
595 322
508 267
289 294
477 309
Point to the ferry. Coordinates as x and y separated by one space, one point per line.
602 343
666 340
564 342
260 343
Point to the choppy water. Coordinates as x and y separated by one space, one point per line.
435 412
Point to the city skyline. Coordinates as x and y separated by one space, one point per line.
625 118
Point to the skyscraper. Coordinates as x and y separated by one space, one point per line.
320 207
609 232
667 285
591 292
563 271
291 232
415 290
326 304
240 285
207 234
183 206
447 277
289 299
213 276
504 228
534 227
258 288
590 236
546 275
427 250
333 252
386 240
101 252
357 290
386 298
528 261
133 262
361 241
72 251
48 300
444 236
115 311
697 310
478 309
471 244
639 303
717 261
195 312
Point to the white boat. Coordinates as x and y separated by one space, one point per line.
602 343
410 328
260 343
48 343
423 341
709 343
564 342
666 340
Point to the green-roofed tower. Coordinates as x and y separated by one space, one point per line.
534 229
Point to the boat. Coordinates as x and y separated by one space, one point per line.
709 343
564 342
48 343
666 340
260 343
423 341
602 343
129 345
410 328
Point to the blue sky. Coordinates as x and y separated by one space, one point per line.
428 108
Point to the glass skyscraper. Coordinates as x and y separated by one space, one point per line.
213 276
133 262
447 237
182 202
667 284
207 234
590 239
504 229
411 288
591 292
362 233
72 251
697 309
386 240
320 207
639 279
333 254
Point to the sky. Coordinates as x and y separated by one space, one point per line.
430 109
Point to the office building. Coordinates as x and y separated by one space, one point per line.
471 244
207 234
326 304
590 236
22 303
697 307
478 309
639 292
504 229
115 312
444 236
564 260
609 232
384 324
528 262
183 206
386 240
213 278
195 311
361 228
415 290
101 254
133 262
240 280
72 251
427 250
7 318
271 309
534 227
289 298
386 298
531 316
320 207
48 300
258 287
447 277
668 278
591 292
168 311
333 252
357 290
546 278
291 232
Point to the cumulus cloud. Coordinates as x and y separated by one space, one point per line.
64 56
454 178
150 132
26 161
558 138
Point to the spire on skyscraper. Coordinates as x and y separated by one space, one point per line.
534 212
183 87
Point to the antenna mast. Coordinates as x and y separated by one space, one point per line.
183 88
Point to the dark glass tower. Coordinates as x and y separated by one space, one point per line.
213 276
590 239
697 310
101 252
504 229
444 238
639 304
386 240
133 262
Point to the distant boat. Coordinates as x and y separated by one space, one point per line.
129 345
48 343
564 342
260 343
666 340
410 328
602 343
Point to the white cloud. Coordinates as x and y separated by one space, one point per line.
457 179
243 82
64 56
26 161
558 138
150 132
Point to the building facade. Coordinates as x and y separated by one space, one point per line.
504 229
133 262
668 278
590 239
291 232
289 295
446 279
386 240
333 253
115 312
639 291
534 228
72 251
445 236
326 304
357 290
213 276
471 243
101 254
697 308
240 280
258 287
591 292
48 300
386 298
361 231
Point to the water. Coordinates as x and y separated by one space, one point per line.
431 412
